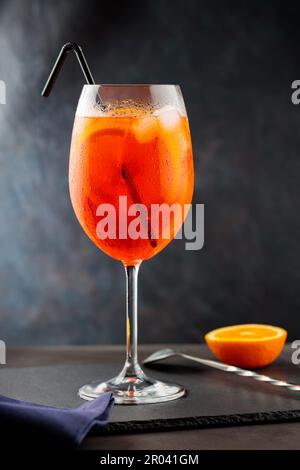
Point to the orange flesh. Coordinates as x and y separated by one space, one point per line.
244 333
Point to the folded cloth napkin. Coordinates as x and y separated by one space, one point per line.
35 425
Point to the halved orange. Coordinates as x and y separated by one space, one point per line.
247 346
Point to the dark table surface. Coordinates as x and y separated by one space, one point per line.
269 436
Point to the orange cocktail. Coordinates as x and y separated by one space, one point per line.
141 153
131 154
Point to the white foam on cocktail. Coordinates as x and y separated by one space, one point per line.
168 116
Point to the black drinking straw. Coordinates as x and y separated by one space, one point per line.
68 47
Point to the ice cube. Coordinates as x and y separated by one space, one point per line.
169 117
144 128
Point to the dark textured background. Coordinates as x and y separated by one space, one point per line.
235 62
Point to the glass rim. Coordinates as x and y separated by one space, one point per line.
131 85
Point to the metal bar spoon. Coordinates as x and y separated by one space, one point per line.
166 353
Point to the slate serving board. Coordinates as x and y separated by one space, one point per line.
214 398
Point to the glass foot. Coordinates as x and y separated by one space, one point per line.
133 390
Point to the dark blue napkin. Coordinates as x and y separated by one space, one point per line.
34 425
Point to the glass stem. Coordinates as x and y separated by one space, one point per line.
132 367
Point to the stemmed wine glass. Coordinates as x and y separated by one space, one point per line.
131 147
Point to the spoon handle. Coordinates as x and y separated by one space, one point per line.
244 372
